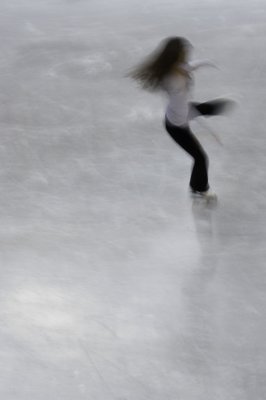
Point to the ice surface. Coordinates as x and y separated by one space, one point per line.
114 284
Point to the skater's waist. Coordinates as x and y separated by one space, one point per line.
176 122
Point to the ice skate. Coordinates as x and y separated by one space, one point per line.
209 196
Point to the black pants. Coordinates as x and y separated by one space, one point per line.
183 136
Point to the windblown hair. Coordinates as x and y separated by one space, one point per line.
160 63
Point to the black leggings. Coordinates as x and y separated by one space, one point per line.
186 139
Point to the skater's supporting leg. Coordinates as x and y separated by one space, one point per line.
185 138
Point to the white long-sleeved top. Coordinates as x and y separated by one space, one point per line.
179 88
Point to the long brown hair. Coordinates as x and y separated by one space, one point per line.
151 72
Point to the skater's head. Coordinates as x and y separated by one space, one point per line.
175 50
172 52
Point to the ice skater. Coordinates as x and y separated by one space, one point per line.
169 69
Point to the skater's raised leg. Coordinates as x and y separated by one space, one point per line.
213 107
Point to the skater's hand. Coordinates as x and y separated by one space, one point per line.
210 64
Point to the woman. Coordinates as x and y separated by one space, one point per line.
169 69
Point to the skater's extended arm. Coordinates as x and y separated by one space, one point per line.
194 65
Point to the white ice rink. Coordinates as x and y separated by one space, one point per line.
114 285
